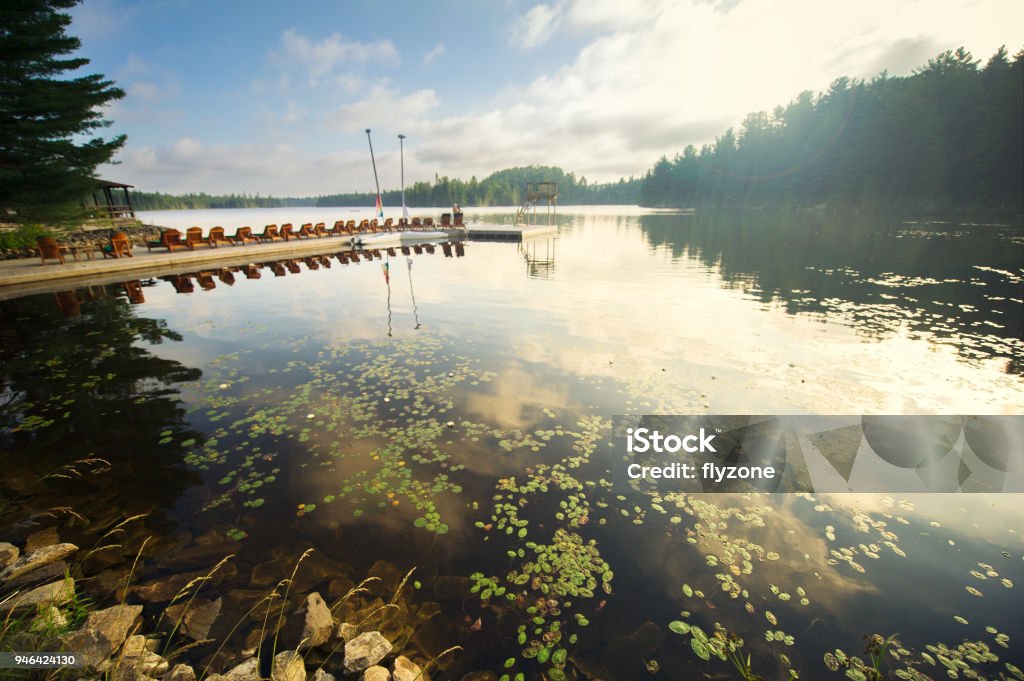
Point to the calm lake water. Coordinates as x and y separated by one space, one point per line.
450 411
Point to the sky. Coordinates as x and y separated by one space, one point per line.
274 98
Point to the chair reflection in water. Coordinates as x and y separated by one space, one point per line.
133 289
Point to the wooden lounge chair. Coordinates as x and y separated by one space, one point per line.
403 223
118 247
169 239
417 223
243 235
364 226
428 223
374 226
446 219
194 237
458 220
320 230
49 249
270 233
217 237
350 227
288 231
305 231
389 225
338 229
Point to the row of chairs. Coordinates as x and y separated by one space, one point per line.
51 249
193 236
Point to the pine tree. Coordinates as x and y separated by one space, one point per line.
48 115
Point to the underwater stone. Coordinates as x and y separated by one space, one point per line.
364 651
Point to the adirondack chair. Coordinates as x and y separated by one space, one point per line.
305 231
270 233
288 231
320 230
50 249
169 239
217 237
243 235
118 247
194 237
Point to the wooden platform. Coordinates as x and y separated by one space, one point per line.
26 275
487 232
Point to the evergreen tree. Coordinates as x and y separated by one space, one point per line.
47 158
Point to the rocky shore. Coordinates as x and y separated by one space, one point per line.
137 234
279 627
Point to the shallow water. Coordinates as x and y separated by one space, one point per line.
379 418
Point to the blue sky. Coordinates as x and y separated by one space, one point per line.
273 97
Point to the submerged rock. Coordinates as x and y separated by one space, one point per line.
364 651
196 617
36 559
321 675
41 539
247 671
376 673
288 666
181 672
405 669
311 625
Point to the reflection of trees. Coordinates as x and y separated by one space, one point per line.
812 263
85 387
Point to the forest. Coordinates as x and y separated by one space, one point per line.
947 137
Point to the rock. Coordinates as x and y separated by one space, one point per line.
164 589
8 554
347 631
315 570
215 677
181 672
36 559
247 671
486 675
49 619
405 669
452 587
288 666
200 555
310 626
321 675
376 673
41 539
55 593
45 573
364 651
196 617
431 641
103 633
138 658
339 586
108 582
647 637
388 574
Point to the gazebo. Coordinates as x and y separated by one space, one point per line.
103 201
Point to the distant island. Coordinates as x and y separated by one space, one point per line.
946 138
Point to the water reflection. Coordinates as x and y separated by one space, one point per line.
952 284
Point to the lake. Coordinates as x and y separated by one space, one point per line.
450 410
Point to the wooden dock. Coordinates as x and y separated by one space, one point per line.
492 232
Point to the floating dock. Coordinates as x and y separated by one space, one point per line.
492 232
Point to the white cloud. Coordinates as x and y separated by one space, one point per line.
385 107
536 26
434 53
324 56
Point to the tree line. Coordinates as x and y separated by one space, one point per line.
161 201
503 188
949 136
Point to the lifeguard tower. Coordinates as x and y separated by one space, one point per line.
535 193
